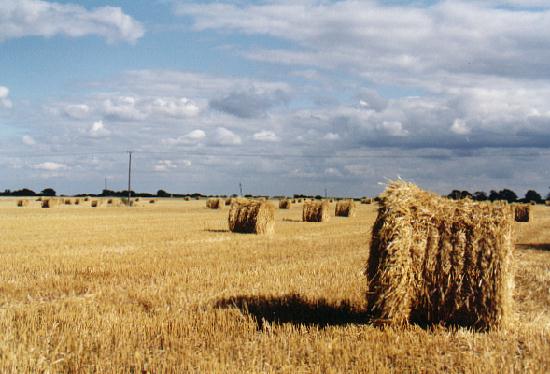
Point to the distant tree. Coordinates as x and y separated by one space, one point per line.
162 193
455 195
108 193
318 197
23 192
48 192
508 195
532 195
480 196
493 195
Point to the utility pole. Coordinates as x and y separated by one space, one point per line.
105 183
325 192
129 177
241 188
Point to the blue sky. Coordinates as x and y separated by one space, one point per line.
286 96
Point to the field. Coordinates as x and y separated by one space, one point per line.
166 288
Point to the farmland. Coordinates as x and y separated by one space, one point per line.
166 287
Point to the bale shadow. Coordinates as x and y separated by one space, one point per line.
217 230
291 220
296 310
539 247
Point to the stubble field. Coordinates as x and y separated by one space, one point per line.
166 288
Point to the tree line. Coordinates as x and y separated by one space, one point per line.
505 194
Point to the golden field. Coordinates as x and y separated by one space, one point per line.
166 288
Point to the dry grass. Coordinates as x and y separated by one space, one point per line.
316 211
168 289
252 217
345 208
436 260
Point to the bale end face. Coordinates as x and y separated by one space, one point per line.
284 204
521 213
433 260
316 211
345 208
22 203
251 217
214 203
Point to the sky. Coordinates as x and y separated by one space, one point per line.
284 96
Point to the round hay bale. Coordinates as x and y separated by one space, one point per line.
284 204
251 217
434 260
214 203
50 203
22 203
96 203
521 213
316 211
345 208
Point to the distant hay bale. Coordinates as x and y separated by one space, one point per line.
228 201
137 199
316 211
197 198
299 200
22 203
186 198
521 213
76 202
435 260
366 200
67 202
95 203
39 199
251 217
86 199
547 203
284 204
214 203
152 201
293 201
345 208
50 203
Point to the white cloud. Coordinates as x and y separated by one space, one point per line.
123 108
77 111
99 130
224 136
331 136
4 99
164 165
193 137
50 166
175 107
28 140
460 127
392 128
20 18
266 136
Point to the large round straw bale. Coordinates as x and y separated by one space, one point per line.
50 203
228 201
95 203
22 203
434 260
345 208
284 204
152 201
76 202
214 203
251 217
521 213
316 211
67 202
